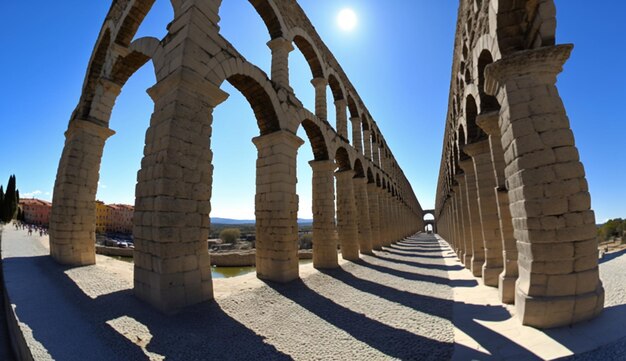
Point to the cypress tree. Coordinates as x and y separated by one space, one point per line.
10 200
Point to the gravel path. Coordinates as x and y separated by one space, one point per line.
396 304
612 273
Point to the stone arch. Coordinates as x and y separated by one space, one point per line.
461 141
258 91
309 50
352 107
317 140
271 16
342 159
359 172
132 20
259 100
365 124
474 132
87 132
370 175
141 51
336 87
487 102
338 93
94 71
525 25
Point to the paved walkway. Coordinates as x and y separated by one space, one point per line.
411 301
6 354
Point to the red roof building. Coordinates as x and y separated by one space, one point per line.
36 211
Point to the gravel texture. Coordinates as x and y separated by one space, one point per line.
396 304
612 273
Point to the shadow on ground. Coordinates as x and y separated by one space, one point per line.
201 330
54 306
611 256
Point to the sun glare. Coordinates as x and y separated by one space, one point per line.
347 19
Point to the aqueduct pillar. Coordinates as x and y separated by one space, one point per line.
550 204
73 219
172 206
487 207
506 281
473 218
324 229
276 206
347 216
363 214
382 211
372 197
321 110
467 233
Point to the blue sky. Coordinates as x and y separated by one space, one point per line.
398 58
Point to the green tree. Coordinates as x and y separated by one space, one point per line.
10 202
612 228
306 241
230 235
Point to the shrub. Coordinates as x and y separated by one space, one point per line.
306 241
230 235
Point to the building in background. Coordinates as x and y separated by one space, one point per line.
36 211
102 217
121 218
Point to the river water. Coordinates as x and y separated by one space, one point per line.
223 272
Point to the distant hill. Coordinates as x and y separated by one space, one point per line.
218 220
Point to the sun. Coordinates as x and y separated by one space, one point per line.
347 19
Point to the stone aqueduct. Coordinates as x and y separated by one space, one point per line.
375 203
512 198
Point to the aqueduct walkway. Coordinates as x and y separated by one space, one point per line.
412 300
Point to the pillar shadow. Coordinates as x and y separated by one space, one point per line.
415 254
391 341
72 325
427 304
611 256
417 276
441 267
414 250
466 315
466 319
427 246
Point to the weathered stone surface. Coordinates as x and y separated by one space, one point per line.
533 200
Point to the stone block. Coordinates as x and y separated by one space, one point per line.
561 285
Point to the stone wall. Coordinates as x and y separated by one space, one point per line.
512 191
